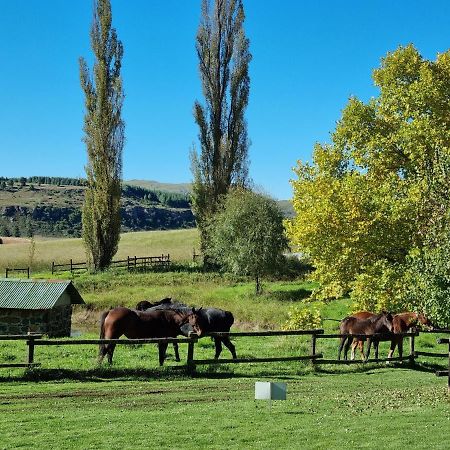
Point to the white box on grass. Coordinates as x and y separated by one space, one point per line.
266 390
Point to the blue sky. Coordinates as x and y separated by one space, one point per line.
308 58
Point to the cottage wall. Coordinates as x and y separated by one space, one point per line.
55 322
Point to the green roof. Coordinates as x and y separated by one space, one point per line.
35 294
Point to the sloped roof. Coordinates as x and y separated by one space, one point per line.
35 294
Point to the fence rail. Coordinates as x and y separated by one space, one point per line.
33 340
132 263
8 270
22 337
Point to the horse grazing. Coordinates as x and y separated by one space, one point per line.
380 323
211 320
144 324
401 323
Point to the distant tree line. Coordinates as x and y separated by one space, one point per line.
38 180
170 199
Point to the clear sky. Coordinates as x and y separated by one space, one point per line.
308 58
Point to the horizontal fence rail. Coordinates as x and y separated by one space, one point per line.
8 270
31 337
192 362
34 339
132 263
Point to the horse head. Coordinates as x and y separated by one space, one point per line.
196 321
386 318
424 320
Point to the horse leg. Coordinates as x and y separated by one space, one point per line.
369 344
355 343
400 347
162 348
341 345
392 348
347 346
226 341
376 342
177 354
110 351
218 345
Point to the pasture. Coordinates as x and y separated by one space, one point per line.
178 243
71 402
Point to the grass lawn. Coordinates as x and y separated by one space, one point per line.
373 408
71 402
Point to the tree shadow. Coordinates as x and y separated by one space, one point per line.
291 296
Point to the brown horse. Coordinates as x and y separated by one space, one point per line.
144 324
368 327
401 323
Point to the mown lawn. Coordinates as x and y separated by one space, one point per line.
373 408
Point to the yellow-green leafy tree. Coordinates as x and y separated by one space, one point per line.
366 203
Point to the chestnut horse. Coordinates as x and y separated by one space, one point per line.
401 323
378 323
144 324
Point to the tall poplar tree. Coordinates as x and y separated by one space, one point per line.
104 138
223 53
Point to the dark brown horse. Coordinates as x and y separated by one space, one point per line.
401 323
349 326
211 320
144 324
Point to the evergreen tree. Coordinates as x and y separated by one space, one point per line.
223 53
104 138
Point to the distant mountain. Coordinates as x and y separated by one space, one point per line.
49 206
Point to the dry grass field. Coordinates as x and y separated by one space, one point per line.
19 253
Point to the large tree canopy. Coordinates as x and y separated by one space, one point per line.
224 56
370 201
104 138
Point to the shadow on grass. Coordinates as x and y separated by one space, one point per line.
294 295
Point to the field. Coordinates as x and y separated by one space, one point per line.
178 243
71 402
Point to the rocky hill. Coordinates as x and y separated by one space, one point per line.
51 206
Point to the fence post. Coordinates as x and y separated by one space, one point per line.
313 348
448 382
53 267
190 355
128 263
30 343
71 267
6 272
412 356
28 272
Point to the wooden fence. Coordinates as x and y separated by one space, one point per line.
132 263
30 339
443 373
192 362
25 270
33 340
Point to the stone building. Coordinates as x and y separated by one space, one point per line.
37 306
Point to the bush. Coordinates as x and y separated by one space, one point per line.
303 318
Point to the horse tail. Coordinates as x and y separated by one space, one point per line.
229 319
102 332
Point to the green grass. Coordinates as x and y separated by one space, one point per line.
382 408
71 402
178 243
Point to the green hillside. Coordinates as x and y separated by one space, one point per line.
52 207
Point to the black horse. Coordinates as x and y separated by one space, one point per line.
212 320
